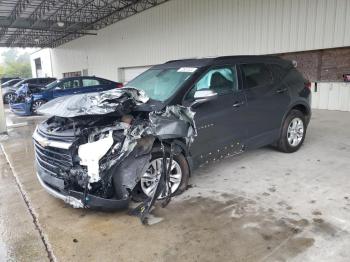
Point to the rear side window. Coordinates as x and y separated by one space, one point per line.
278 71
105 82
256 75
90 82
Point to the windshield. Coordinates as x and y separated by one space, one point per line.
161 84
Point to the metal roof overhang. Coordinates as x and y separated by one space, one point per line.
50 23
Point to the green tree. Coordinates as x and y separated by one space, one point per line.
2 70
9 55
15 65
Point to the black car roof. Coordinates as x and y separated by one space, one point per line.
78 77
33 78
201 62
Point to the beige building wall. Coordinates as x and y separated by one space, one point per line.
197 28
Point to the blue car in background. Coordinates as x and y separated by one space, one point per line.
29 98
9 92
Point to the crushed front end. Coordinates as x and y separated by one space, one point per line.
73 159
22 102
93 151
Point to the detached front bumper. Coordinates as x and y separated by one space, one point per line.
22 109
55 187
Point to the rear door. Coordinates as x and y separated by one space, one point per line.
267 101
220 122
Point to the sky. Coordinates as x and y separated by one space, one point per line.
20 51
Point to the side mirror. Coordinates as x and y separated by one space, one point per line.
204 95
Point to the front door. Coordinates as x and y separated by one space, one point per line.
220 122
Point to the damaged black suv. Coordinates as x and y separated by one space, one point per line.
99 150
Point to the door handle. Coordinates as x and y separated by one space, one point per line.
238 104
281 90
75 92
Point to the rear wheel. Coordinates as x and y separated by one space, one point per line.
37 104
293 132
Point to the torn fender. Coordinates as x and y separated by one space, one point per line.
174 122
128 173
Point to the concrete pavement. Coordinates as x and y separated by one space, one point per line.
20 239
261 206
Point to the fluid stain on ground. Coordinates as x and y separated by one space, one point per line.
208 226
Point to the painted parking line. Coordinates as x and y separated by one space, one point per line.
18 125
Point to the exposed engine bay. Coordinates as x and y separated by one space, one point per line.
99 144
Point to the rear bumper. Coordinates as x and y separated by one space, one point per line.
55 187
22 109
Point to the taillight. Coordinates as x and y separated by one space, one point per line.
119 85
308 85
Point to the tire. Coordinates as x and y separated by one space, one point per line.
293 132
37 104
139 194
8 96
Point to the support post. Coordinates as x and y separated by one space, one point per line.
2 115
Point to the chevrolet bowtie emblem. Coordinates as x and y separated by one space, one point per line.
45 142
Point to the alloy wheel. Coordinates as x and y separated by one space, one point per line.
36 105
295 132
9 97
150 178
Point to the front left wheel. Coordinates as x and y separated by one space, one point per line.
37 104
8 97
179 175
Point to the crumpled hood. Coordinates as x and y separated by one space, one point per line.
119 101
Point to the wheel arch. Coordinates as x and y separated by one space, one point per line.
6 94
302 107
180 146
41 98
38 99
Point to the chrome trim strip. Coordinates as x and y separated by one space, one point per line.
41 166
56 161
44 142
76 203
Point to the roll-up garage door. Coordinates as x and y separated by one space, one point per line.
129 73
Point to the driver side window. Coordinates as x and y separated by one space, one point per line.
221 80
